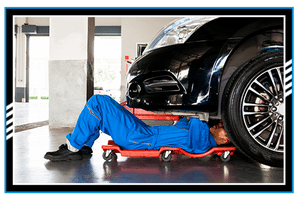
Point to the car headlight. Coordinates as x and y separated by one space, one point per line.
178 31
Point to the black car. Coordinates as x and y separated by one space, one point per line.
228 68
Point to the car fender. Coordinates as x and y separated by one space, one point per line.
242 46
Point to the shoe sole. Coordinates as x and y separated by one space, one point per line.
65 158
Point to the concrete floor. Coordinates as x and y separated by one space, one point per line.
29 166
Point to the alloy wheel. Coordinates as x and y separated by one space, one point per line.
263 109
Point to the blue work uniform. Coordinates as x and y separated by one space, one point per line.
103 113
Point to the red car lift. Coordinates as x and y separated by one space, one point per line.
148 115
112 148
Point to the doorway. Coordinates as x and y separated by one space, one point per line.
107 66
38 68
37 108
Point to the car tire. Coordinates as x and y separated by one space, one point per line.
253 108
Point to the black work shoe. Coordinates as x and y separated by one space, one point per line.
85 150
63 154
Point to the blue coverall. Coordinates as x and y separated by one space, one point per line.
103 113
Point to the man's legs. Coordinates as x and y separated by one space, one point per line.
84 134
86 130
103 113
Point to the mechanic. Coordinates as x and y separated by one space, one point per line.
103 113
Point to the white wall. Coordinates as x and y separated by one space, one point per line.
39 21
108 21
76 41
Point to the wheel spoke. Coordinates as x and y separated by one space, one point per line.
273 82
255 104
272 134
255 113
264 88
280 78
279 138
258 94
260 122
257 134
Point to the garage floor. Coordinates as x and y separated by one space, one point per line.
29 166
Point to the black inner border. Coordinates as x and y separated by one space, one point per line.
23 189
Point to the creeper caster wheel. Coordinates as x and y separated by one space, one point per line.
166 156
109 155
225 156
